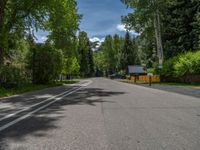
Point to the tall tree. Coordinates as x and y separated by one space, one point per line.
85 55
146 16
118 43
19 16
181 32
90 62
109 54
129 52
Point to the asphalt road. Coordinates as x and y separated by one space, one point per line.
100 114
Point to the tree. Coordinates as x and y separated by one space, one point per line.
90 61
45 63
109 54
85 55
129 53
17 17
20 19
118 43
99 63
181 32
146 17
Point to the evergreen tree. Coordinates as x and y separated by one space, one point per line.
129 53
181 27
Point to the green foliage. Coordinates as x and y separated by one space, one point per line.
129 52
27 87
46 63
168 67
188 63
181 27
184 64
109 54
33 87
151 70
71 66
85 55
100 65
116 53
11 76
179 22
19 20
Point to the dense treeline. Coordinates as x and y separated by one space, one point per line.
168 34
167 30
115 54
23 60
170 27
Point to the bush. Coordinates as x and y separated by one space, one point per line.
168 67
188 63
12 76
46 63
183 65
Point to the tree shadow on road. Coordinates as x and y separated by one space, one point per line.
46 120
26 100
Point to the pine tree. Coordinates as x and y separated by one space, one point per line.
181 27
129 52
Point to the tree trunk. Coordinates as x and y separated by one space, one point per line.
157 27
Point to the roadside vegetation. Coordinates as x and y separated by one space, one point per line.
159 34
165 39
25 63
27 87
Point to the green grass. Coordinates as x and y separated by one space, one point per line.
197 85
182 84
68 81
5 92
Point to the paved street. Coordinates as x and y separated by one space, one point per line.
100 114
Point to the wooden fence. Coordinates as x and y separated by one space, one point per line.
146 79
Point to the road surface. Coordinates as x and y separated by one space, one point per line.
100 114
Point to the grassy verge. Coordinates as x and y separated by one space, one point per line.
4 92
182 84
195 85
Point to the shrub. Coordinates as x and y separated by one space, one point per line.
12 76
168 67
187 64
46 63
182 65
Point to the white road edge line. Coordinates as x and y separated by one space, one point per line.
25 109
38 109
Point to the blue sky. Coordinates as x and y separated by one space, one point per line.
100 18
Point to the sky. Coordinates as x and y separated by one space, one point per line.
100 18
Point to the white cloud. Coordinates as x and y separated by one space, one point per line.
98 40
122 28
